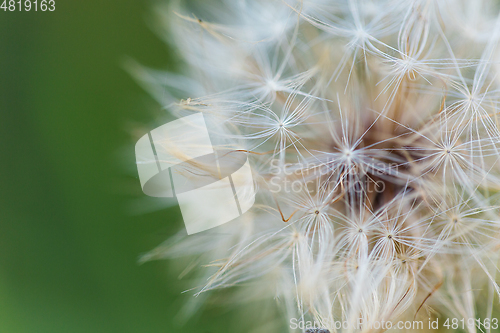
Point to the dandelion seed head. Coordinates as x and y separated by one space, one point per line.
372 131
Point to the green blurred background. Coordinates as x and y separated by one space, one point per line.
68 243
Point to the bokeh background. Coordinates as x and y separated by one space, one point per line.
69 243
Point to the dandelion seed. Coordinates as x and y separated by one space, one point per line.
373 132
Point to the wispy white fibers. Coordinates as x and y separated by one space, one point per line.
372 130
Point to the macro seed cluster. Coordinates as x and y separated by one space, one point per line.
372 129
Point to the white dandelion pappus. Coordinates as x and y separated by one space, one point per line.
372 131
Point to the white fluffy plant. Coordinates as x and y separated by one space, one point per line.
372 129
